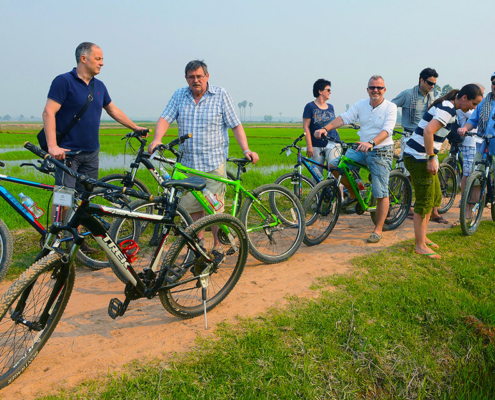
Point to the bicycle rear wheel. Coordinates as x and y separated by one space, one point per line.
322 208
400 197
146 234
184 299
457 167
6 249
448 186
473 203
44 286
291 182
275 223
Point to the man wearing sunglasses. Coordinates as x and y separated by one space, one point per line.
414 103
377 118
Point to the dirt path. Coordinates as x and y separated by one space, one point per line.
87 343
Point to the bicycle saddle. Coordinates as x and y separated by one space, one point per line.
2 164
192 183
239 161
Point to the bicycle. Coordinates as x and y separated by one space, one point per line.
189 279
323 204
6 244
272 215
448 181
479 190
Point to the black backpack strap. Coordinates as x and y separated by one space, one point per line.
79 115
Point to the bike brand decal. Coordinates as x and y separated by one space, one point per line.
125 213
116 255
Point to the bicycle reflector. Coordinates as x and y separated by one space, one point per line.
130 248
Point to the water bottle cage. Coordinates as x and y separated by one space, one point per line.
130 249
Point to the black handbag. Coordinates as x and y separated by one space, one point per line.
60 135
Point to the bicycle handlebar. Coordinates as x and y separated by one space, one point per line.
174 142
137 134
84 179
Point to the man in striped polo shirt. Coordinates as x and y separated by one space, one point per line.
414 103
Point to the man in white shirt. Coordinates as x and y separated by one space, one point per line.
377 118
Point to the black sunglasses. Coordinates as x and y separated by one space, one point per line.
493 83
376 87
430 83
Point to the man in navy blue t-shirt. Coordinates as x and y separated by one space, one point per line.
67 96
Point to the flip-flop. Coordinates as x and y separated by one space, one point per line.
433 255
433 245
439 220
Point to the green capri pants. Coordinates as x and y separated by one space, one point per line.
426 186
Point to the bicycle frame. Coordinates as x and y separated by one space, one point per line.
343 167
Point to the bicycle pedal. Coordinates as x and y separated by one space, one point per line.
116 308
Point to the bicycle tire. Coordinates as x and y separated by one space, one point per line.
6 249
19 345
145 235
322 209
448 187
279 242
400 197
470 225
185 300
291 182
229 196
457 168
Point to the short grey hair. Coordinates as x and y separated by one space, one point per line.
85 48
481 87
375 77
195 64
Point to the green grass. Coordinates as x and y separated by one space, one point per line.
395 326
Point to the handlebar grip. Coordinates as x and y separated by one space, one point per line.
36 150
138 194
185 137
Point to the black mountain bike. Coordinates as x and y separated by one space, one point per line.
190 279
479 190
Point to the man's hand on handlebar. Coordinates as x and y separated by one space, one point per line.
364 146
58 153
152 145
462 131
320 132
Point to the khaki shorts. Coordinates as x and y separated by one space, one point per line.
192 205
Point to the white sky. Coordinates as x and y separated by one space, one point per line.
266 52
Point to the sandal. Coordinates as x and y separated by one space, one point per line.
433 255
439 220
433 245
456 223
374 238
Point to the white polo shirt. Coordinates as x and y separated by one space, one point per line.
373 120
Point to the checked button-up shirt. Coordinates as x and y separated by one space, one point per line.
208 121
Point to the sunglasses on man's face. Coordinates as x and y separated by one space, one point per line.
493 83
430 83
379 88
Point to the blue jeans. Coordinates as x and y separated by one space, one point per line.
379 162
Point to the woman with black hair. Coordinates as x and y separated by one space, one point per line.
316 115
421 160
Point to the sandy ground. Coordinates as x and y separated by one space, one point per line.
87 343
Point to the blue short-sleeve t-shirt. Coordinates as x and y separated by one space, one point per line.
72 93
318 119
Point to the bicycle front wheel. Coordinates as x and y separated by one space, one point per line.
322 208
291 182
6 249
229 253
146 235
448 186
473 203
400 197
275 223
457 167
43 288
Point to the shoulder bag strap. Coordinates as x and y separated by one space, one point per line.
79 115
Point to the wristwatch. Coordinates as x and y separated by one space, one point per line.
431 157
372 142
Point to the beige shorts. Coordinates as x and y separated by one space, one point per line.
192 205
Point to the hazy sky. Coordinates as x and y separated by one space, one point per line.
266 52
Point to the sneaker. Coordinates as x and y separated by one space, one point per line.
349 202
218 255
88 249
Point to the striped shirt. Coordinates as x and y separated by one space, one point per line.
208 121
445 113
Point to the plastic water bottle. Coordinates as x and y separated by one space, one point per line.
30 205
165 175
318 173
212 199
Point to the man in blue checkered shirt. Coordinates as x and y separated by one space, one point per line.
208 113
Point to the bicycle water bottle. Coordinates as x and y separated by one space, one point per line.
318 172
212 199
165 175
30 205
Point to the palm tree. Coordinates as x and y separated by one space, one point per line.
250 108
240 109
280 117
244 104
